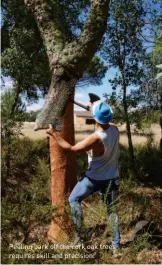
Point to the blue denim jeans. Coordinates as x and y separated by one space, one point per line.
109 191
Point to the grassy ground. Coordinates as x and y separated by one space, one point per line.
140 200
136 203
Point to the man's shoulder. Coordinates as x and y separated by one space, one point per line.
93 137
113 125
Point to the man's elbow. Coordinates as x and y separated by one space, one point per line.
72 148
76 149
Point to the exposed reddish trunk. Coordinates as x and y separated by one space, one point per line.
63 178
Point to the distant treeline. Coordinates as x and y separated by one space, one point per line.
31 116
152 115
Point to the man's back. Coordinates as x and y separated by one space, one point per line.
105 166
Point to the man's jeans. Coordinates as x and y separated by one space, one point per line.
109 190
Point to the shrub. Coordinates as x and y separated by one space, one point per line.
26 190
148 162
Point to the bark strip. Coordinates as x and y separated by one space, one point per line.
60 91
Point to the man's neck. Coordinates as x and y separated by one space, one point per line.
103 127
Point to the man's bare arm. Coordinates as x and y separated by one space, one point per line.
85 145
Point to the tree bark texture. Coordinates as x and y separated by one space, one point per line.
61 89
71 58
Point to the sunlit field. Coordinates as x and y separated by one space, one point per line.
81 131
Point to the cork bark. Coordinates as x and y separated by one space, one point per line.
61 89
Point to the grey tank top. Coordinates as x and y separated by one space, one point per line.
105 166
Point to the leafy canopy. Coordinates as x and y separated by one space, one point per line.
24 56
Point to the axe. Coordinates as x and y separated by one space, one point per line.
92 98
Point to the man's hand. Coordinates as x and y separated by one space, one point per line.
50 131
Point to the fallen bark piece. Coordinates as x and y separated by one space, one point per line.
139 226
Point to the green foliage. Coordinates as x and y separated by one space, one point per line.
26 213
94 73
31 116
123 49
82 164
143 120
148 163
123 45
29 183
158 47
143 108
24 56
20 166
12 113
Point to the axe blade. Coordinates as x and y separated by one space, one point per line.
93 97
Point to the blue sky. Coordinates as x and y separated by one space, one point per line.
82 93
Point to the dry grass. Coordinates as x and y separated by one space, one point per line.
83 131
134 206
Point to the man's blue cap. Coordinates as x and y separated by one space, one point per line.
102 112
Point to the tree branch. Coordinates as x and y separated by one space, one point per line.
50 26
77 55
146 39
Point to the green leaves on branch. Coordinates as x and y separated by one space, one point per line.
24 56
94 73
12 113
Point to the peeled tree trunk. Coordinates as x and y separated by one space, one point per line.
68 61
63 178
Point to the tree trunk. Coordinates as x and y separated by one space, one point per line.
63 177
160 121
128 129
130 144
61 89
68 61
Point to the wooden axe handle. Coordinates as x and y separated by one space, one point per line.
80 105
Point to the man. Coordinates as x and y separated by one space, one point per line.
102 174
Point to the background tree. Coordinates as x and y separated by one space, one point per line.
12 113
158 78
123 50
